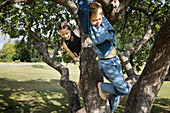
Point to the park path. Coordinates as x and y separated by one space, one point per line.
13 63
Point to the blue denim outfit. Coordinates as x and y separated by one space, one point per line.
103 38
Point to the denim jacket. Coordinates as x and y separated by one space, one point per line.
103 36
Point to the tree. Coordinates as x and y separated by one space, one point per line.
8 52
23 51
142 18
146 88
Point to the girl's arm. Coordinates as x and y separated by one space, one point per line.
84 16
77 59
77 32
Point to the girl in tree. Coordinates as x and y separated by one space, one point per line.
102 34
72 42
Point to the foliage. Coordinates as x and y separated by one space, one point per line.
132 28
21 51
25 52
8 52
15 21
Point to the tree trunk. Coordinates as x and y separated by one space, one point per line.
90 76
145 90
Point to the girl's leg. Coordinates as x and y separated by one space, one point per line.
112 71
101 94
113 100
82 110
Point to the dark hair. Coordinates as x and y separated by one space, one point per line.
63 25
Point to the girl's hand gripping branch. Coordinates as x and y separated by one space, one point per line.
77 59
115 3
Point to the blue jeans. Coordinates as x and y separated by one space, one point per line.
112 71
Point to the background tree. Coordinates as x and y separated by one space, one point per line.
137 24
23 51
7 52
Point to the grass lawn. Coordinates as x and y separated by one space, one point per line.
36 89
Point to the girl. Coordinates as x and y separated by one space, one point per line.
72 42
102 35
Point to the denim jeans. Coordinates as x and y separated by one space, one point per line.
112 71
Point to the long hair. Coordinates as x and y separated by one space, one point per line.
63 25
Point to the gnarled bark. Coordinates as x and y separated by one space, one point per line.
90 76
145 90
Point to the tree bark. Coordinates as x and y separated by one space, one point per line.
90 76
114 15
145 90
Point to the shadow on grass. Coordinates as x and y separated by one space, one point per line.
161 105
36 96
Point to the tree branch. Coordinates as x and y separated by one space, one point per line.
3 4
146 37
153 75
126 64
18 1
114 15
156 9
34 36
51 31
65 82
125 55
52 45
141 10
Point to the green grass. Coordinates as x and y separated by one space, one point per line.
36 88
33 88
161 104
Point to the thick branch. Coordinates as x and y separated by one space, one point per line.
117 14
141 10
34 36
143 93
126 64
114 15
125 55
111 14
70 86
146 37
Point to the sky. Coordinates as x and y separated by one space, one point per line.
5 39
